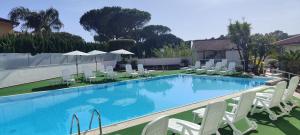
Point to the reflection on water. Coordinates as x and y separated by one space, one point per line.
50 113
124 102
97 100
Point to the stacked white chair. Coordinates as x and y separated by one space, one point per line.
197 66
89 75
208 65
142 70
102 68
129 70
67 77
111 74
212 61
230 69
211 121
224 63
216 69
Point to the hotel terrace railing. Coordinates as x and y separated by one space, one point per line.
289 74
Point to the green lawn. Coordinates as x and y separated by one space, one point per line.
52 84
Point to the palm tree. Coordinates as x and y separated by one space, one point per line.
290 61
239 33
41 21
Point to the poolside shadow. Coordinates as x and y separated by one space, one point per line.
295 113
51 87
106 80
281 123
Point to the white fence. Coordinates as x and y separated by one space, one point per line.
27 75
40 72
161 61
10 61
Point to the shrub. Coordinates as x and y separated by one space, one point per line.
290 61
185 62
58 42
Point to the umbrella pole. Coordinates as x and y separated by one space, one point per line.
96 62
77 65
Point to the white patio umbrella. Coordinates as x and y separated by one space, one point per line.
76 53
95 53
122 51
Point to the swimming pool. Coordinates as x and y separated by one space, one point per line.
50 112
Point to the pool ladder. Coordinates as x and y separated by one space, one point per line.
75 117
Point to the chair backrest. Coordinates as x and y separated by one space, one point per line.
102 68
212 63
211 60
231 66
207 63
244 106
212 118
278 93
197 64
109 69
224 62
293 84
141 68
218 66
128 68
88 72
66 74
158 126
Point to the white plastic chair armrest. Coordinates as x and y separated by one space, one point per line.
186 127
262 99
234 107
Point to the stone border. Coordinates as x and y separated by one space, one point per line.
147 118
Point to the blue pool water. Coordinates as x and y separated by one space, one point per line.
50 113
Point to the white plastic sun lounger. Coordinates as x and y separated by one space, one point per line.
102 68
89 75
129 71
110 72
197 66
67 77
208 65
262 103
142 70
224 63
239 111
230 69
216 69
287 99
211 121
158 126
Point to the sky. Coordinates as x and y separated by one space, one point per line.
188 19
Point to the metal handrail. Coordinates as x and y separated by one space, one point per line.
99 120
285 72
78 125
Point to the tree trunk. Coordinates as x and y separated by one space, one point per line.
246 60
239 51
